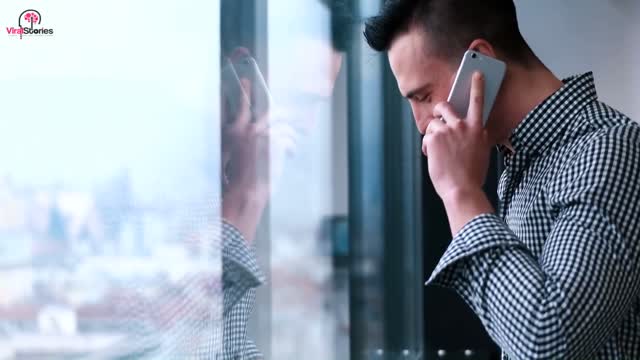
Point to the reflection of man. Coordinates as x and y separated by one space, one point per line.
181 315
557 275
251 145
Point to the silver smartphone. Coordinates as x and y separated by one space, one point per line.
493 71
234 94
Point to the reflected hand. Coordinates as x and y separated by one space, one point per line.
254 151
244 148
253 154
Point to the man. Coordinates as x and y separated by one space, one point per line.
556 275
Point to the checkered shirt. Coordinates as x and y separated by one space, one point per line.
241 276
556 274
197 324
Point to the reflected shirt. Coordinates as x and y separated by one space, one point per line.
556 274
241 276
198 322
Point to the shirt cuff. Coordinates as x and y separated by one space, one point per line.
482 233
239 261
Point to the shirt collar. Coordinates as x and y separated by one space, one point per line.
545 125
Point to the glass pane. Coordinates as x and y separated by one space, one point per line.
310 303
219 185
108 185
318 236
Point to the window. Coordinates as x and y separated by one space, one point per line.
125 146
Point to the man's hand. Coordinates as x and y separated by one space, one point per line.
458 151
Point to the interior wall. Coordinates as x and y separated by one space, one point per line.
575 36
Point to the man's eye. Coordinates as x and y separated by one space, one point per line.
419 99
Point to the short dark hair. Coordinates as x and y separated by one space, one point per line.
341 22
452 25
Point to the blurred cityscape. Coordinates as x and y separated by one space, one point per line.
80 270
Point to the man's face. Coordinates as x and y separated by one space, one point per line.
423 78
303 75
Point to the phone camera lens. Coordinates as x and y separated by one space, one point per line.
474 55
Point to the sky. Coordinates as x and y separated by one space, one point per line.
111 90
128 85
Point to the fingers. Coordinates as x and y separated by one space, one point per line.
244 113
445 110
262 121
284 137
259 127
476 101
279 136
435 125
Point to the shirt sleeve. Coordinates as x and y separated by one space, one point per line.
193 322
240 278
568 302
240 270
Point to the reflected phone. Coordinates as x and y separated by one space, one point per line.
493 71
244 67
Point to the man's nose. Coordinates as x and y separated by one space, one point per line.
419 117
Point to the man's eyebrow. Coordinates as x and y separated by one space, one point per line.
412 93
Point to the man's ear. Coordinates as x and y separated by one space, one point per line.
484 47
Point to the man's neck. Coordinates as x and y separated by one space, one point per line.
528 87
